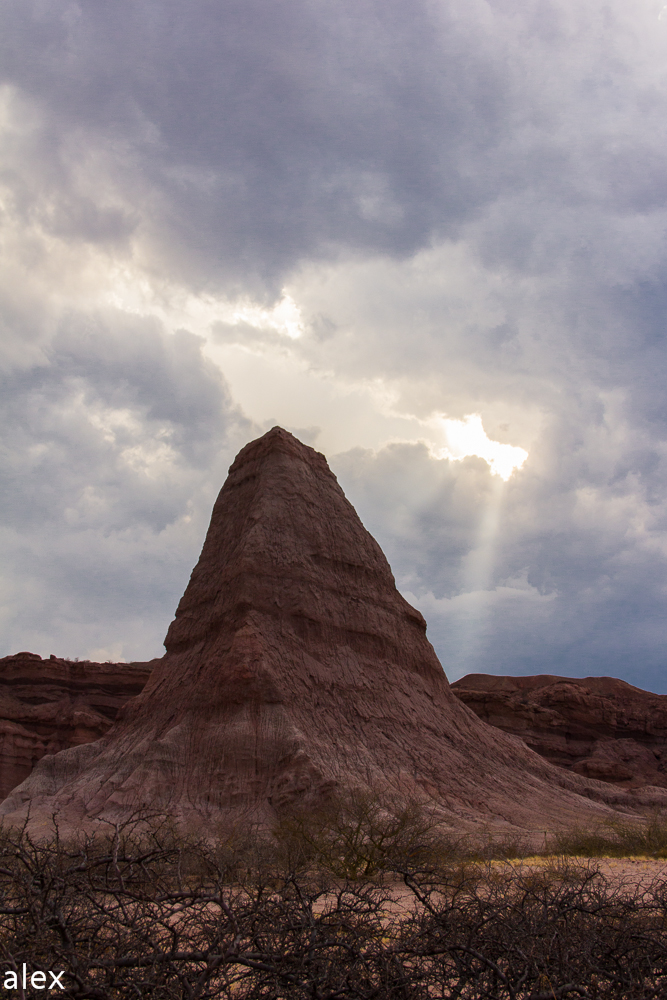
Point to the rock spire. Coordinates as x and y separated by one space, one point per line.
294 667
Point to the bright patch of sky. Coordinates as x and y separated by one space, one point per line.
468 437
273 384
347 414
178 308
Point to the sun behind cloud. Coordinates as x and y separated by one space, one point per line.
468 437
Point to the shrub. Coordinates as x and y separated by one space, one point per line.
615 838
358 836
139 911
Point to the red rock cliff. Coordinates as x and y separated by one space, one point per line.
600 727
50 705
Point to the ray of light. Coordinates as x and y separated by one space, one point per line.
478 579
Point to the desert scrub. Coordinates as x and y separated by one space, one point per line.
140 912
616 839
359 836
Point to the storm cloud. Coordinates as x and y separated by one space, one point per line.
376 224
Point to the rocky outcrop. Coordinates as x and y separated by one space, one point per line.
50 705
599 727
295 668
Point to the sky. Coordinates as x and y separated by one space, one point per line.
427 237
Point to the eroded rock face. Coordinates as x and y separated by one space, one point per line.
293 668
50 705
600 727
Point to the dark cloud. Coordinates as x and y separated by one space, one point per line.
231 141
467 203
559 573
427 512
114 448
239 138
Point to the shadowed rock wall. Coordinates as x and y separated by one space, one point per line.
600 727
50 705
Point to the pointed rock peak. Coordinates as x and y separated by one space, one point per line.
284 540
278 440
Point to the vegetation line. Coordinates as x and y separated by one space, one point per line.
357 902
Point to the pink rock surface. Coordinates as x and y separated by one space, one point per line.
600 727
294 667
50 705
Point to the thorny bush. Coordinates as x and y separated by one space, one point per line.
141 912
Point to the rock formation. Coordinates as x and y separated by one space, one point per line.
294 668
50 705
600 727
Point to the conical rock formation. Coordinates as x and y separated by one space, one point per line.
293 668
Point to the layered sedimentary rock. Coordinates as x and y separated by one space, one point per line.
600 727
294 668
50 705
